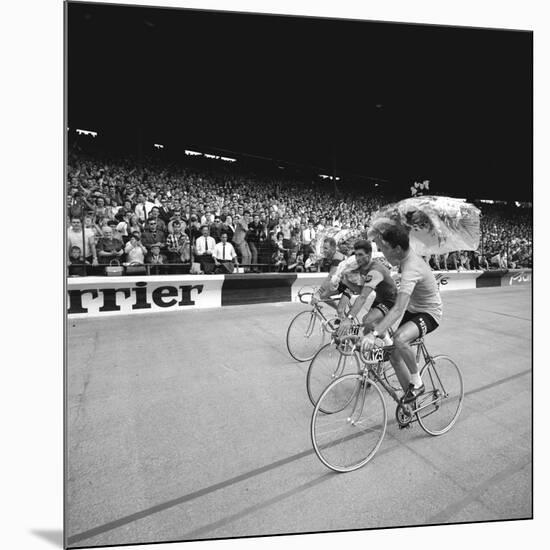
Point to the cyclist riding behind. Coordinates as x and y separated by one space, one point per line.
331 259
360 275
418 302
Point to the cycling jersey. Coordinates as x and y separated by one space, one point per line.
418 281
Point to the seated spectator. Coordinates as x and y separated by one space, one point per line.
178 244
77 264
134 249
154 257
224 255
204 249
152 234
109 248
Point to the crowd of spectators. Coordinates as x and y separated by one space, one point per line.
209 217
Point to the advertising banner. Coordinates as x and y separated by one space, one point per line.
101 296
517 277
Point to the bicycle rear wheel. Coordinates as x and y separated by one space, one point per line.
327 365
347 439
441 403
305 335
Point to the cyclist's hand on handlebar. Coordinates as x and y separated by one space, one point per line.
368 340
344 327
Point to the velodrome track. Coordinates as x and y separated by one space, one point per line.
195 425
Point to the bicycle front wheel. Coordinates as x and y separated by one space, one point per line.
305 335
327 365
439 406
347 439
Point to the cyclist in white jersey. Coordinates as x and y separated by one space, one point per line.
418 303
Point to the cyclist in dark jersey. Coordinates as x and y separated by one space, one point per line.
361 275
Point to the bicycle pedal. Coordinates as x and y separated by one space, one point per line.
404 426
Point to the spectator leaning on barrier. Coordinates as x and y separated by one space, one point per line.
75 238
224 255
109 248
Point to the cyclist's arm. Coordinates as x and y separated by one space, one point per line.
394 314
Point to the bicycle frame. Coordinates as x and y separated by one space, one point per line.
372 370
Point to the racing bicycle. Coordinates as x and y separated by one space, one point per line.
350 418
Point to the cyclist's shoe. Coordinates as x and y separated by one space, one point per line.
412 393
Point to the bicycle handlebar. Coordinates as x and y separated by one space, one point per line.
302 294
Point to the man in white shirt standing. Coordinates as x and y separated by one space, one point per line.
225 256
143 207
204 249
308 235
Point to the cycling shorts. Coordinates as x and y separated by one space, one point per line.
424 321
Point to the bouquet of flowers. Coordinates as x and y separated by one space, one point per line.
436 224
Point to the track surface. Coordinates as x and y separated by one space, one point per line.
195 425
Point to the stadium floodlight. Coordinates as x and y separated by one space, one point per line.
518 204
487 201
324 176
211 156
158 146
337 178
79 131
228 159
192 153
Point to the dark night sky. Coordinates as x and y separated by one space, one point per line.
456 103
